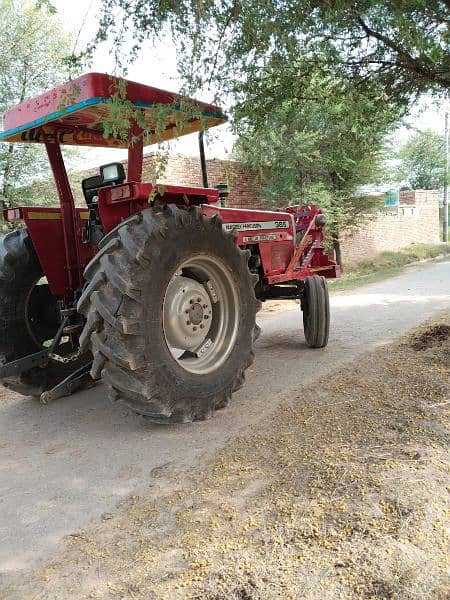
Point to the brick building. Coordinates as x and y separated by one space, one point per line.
186 170
415 220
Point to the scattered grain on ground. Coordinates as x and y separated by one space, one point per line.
343 494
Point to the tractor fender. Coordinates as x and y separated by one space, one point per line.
45 229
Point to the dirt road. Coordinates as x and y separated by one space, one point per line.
66 466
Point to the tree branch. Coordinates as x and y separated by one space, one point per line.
231 15
409 62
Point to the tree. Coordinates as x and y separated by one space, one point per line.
310 121
33 51
314 141
404 45
310 125
422 161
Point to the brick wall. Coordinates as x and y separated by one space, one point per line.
414 221
186 170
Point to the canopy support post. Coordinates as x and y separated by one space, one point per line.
135 154
201 146
68 217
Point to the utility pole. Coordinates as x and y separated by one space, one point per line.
445 219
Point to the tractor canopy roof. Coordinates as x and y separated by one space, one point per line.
97 109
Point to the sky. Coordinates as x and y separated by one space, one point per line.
157 66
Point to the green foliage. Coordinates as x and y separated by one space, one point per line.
422 161
33 48
314 140
155 170
314 85
402 45
123 116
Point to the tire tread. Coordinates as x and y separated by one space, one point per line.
132 247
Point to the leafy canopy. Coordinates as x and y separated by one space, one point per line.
403 45
422 161
314 85
318 143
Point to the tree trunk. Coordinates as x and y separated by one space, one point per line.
6 174
337 250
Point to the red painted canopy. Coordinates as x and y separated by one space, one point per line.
77 113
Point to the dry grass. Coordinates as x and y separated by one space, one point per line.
342 495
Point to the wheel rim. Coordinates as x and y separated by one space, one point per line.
201 314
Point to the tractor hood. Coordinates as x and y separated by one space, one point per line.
95 109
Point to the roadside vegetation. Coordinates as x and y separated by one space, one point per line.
33 53
421 161
387 264
312 89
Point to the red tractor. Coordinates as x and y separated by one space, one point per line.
154 289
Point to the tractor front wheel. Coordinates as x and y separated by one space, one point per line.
315 305
170 314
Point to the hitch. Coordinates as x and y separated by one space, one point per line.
76 380
72 382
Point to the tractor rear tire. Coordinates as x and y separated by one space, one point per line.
28 315
170 314
315 304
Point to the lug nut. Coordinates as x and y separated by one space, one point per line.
199 299
206 317
205 306
191 301
188 322
194 328
201 326
186 311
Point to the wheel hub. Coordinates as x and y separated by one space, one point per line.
196 313
201 314
187 313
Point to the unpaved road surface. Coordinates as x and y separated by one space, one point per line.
67 466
